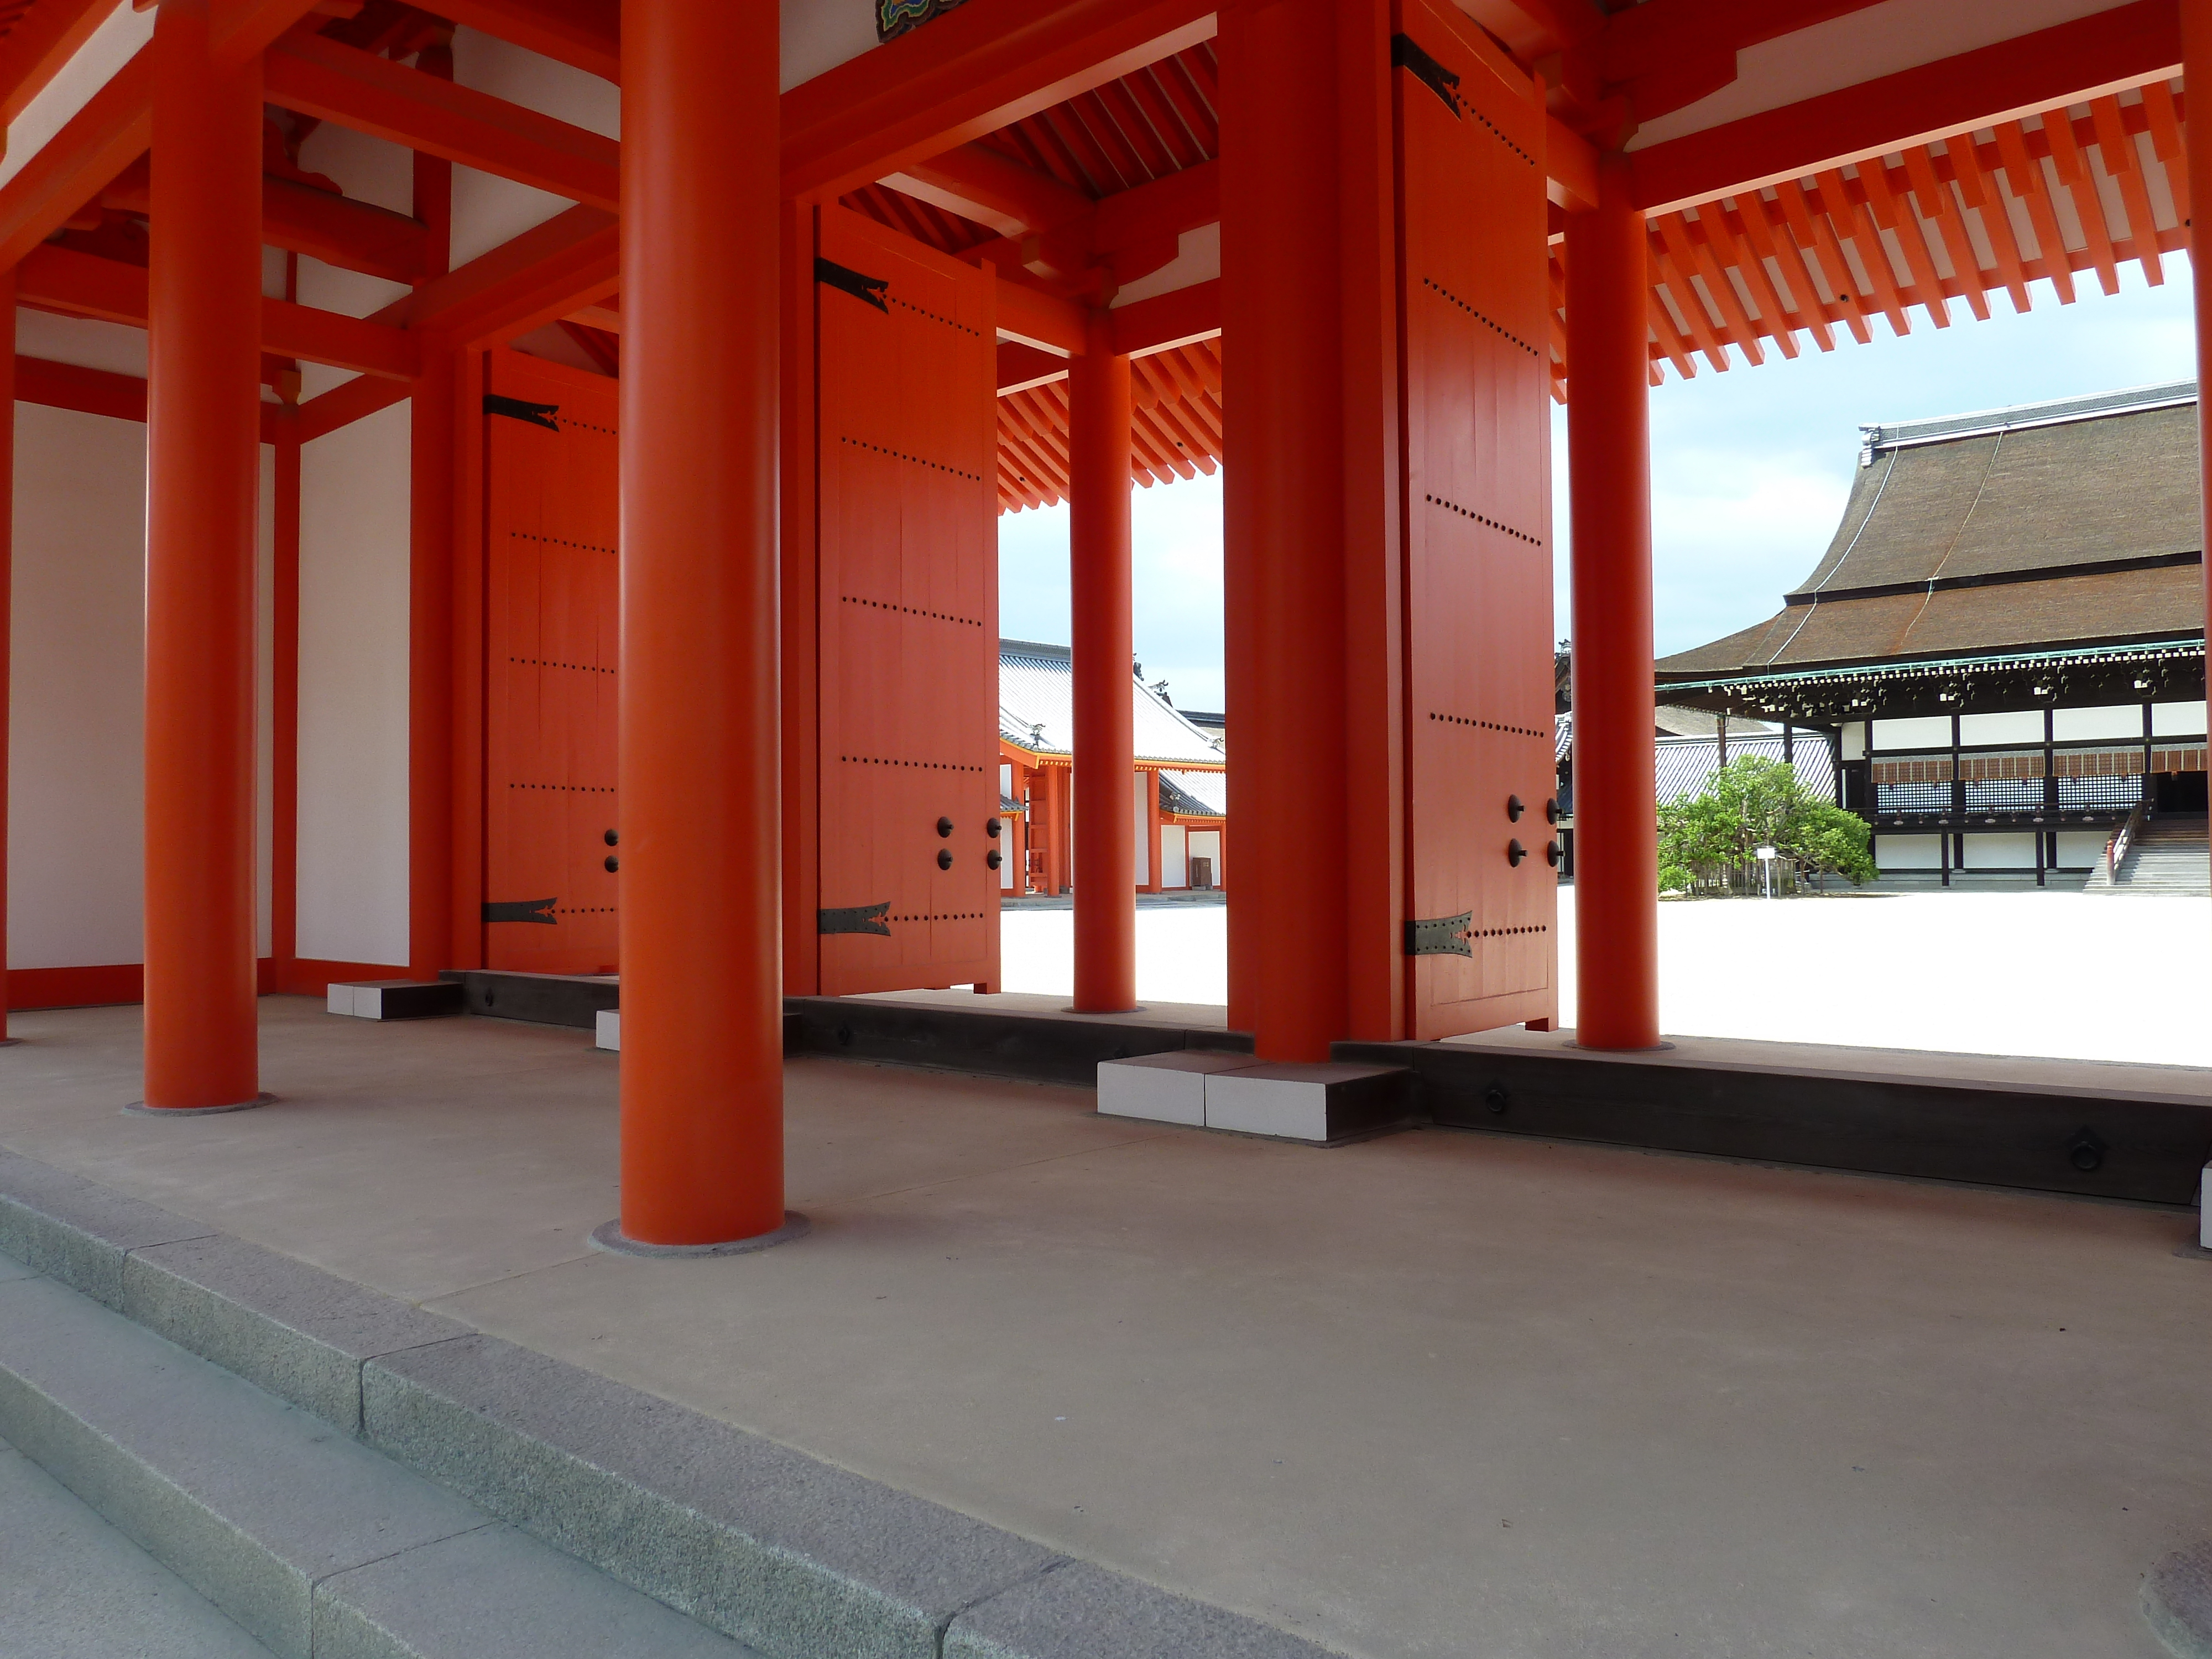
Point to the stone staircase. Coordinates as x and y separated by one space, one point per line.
243 1456
2169 858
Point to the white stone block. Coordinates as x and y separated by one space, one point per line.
1166 1088
609 1029
338 999
1302 1103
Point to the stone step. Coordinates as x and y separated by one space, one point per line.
793 1557
311 1542
75 1588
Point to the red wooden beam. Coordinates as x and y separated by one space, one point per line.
551 271
110 132
84 285
41 40
972 71
242 27
342 405
585 34
1168 319
339 230
358 89
2069 62
87 391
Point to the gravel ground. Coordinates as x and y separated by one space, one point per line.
2064 974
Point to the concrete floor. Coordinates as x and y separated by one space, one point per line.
1433 1394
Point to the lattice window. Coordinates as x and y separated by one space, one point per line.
2003 794
2108 792
1913 797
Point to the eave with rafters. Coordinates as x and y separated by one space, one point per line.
2054 156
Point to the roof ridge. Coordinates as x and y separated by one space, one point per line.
2126 400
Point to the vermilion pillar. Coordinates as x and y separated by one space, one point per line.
204 411
2196 72
7 593
1099 579
1609 481
1309 272
702 1009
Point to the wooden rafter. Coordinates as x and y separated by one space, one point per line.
2089 187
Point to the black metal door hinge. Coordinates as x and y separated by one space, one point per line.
515 409
845 278
1405 54
1441 936
857 919
522 910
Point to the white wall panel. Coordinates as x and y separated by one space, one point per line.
89 343
353 692
1908 852
2121 720
1142 830
264 703
1207 844
2177 720
1855 737
1923 732
2001 852
2082 849
2020 726
1173 872
77 720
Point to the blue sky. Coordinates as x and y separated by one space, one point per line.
1749 469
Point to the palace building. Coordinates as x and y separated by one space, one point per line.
1181 813
2004 641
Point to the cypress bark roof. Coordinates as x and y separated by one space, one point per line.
2066 524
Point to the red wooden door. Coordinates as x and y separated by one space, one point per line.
551 492
908 614
1482 942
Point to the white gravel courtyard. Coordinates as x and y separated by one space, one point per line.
2064 974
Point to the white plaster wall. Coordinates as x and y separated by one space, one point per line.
2082 849
487 209
2177 720
1855 736
1143 829
2020 725
264 703
76 728
2121 720
77 686
1207 844
1923 732
1909 852
353 692
84 341
1173 872
2004 852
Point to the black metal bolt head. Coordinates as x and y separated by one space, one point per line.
1551 812
1515 852
612 839
945 858
994 858
1514 808
1495 1098
613 863
1552 854
2085 1151
944 826
991 827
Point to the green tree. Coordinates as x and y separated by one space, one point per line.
1710 842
